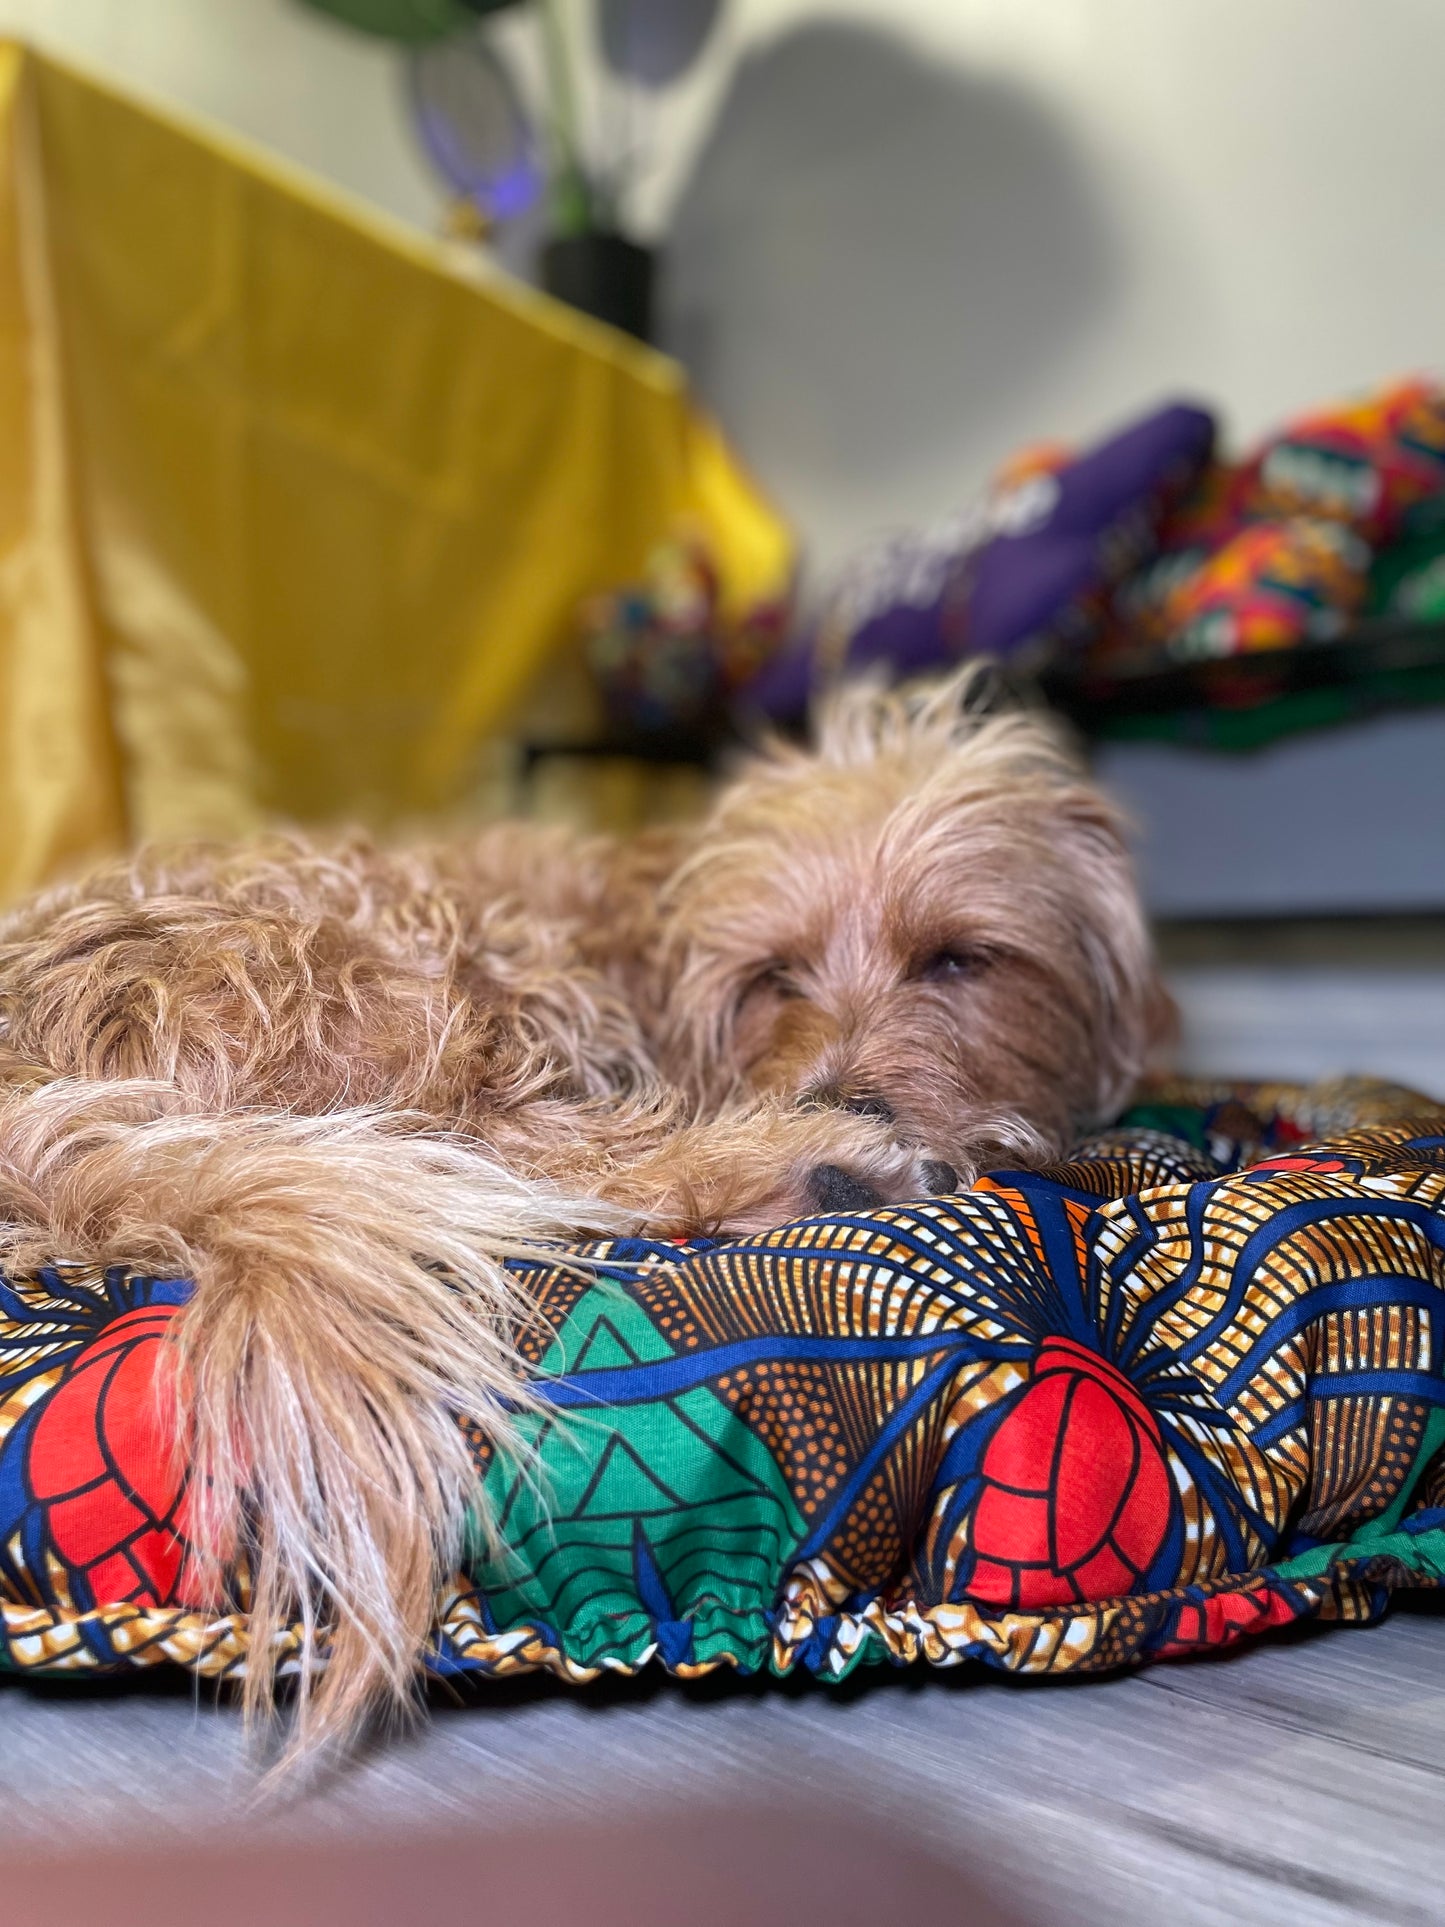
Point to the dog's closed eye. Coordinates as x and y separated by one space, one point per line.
950 965
775 978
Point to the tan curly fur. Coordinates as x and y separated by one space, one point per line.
337 1085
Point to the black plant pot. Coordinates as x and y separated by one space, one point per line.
604 275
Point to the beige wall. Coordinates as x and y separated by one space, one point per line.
925 230
324 97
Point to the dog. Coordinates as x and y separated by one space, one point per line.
336 1086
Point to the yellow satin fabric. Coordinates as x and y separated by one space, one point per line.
293 512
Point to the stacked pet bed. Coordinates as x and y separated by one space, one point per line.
1183 1389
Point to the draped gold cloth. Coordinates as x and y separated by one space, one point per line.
292 510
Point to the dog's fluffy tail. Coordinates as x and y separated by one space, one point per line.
350 1310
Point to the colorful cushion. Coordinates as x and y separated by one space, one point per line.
1277 550
1372 464
666 654
1267 586
1185 1388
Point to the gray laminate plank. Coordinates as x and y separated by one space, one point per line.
1298 1783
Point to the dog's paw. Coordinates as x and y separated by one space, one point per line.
842 1164
767 1166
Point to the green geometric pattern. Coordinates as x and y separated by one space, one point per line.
605 1545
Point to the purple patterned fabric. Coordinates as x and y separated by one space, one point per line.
1022 572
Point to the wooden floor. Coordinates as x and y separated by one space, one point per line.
1300 1782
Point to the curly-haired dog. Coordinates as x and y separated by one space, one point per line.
335 1085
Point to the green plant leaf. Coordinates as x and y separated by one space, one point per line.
572 204
398 19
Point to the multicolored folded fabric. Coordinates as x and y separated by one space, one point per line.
664 656
1185 1388
1266 586
1023 572
1371 464
1278 549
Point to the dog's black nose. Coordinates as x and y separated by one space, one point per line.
831 1188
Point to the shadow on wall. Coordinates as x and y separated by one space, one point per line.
874 258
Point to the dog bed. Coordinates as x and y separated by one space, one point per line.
1185 1388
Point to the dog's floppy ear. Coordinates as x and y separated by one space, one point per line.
1137 1021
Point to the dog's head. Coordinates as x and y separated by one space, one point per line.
931 916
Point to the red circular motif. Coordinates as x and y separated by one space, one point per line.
1076 1495
1298 1164
102 1462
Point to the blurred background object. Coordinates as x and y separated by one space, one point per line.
890 246
297 515
719 1864
902 239
475 130
591 88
